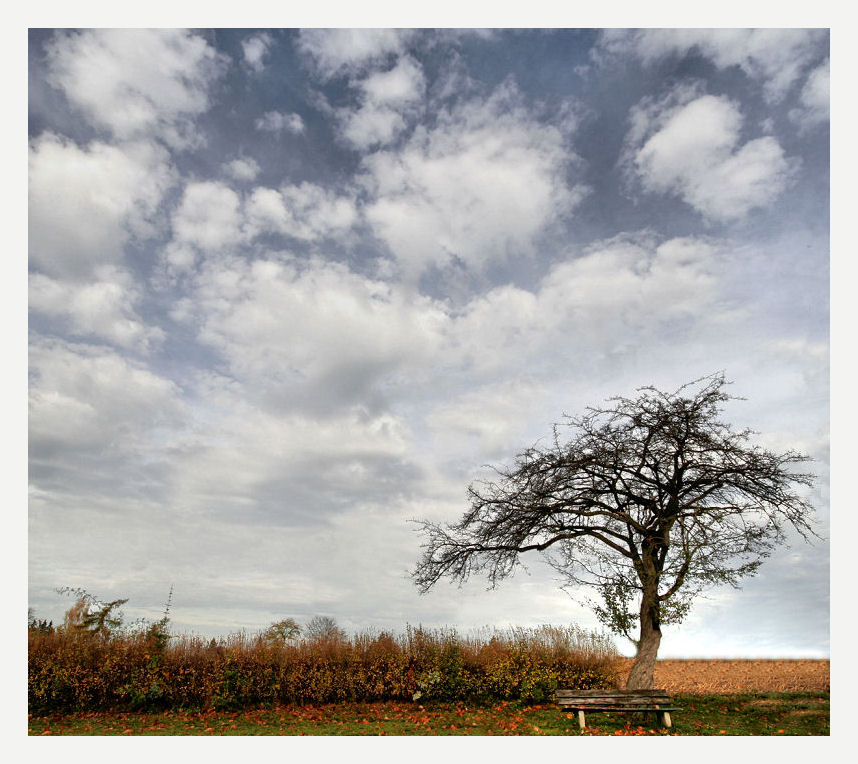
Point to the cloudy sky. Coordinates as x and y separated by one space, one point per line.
290 290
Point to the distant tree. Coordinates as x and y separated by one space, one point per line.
283 631
39 625
89 615
158 632
648 501
322 628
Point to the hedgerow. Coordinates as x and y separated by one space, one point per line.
75 670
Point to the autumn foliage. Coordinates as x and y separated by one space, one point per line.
73 671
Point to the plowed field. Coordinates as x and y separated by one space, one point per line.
725 676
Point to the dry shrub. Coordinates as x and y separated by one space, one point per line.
70 671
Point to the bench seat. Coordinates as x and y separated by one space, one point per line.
592 701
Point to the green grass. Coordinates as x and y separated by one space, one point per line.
757 714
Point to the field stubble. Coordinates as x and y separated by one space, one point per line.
740 675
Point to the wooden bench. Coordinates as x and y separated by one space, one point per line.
619 701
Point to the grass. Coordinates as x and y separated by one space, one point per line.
796 713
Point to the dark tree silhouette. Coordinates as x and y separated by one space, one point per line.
649 501
323 628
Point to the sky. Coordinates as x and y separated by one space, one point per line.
291 290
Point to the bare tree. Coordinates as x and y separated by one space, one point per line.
323 628
649 501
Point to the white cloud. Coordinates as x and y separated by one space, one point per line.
213 220
688 144
278 122
102 308
208 217
243 169
311 334
615 283
108 75
775 57
305 211
402 84
326 367
316 337
177 258
85 204
242 457
300 335
90 401
489 420
255 49
479 186
348 51
387 98
815 98
615 297
371 126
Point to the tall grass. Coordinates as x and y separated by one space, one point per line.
79 671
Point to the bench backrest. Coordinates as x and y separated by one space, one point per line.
619 698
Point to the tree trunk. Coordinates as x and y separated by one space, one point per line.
643 669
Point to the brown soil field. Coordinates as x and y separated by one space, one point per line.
726 676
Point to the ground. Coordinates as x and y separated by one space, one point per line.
718 697
727 676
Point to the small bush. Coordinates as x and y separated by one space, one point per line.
72 670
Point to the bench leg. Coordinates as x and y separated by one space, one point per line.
664 718
581 724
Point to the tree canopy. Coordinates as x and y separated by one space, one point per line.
647 500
